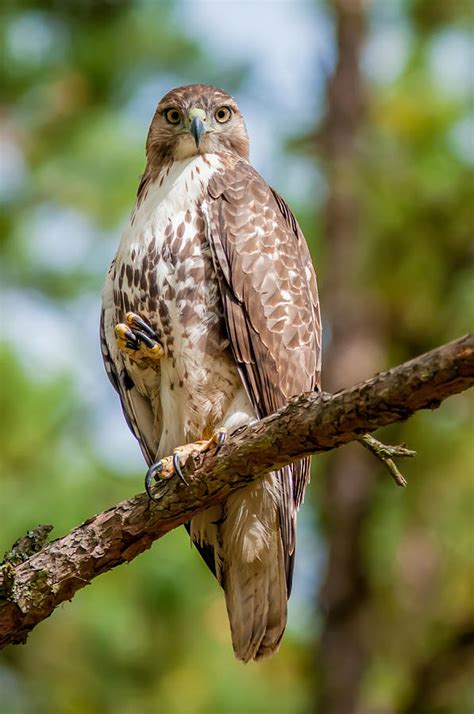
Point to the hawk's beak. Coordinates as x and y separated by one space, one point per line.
197 127
197 130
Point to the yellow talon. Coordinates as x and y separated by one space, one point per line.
121 331
173 465
138 340
156 351
126 340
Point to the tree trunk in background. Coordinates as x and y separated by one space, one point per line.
354 351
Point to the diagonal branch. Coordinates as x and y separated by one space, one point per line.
311 423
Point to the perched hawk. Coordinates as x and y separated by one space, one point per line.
210 319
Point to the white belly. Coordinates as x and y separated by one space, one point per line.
165 273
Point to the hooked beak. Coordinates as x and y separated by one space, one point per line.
197 117
197 130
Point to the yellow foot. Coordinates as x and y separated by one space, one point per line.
171 466
138 340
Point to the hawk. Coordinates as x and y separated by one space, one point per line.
210 320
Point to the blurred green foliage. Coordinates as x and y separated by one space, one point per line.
153 636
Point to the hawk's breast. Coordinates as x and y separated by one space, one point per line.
165 273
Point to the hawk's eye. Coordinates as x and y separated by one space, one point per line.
172 116
223 114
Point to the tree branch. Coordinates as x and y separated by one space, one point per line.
311 423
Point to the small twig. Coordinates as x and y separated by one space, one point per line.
385 453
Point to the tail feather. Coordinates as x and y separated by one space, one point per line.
254 570
276 620
247 606
245 539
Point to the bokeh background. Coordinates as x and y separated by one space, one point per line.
360 114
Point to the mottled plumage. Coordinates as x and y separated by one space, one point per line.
215 261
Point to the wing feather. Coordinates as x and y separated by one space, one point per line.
136 408
271 306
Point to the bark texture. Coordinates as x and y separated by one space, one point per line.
32 585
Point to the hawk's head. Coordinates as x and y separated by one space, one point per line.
196 119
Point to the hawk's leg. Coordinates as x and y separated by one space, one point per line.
172 465
138 340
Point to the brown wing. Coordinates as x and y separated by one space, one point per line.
271 306
136 408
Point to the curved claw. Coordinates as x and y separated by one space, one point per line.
138 323
153 474
177 468
143 337
125 335
150 478
221 436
